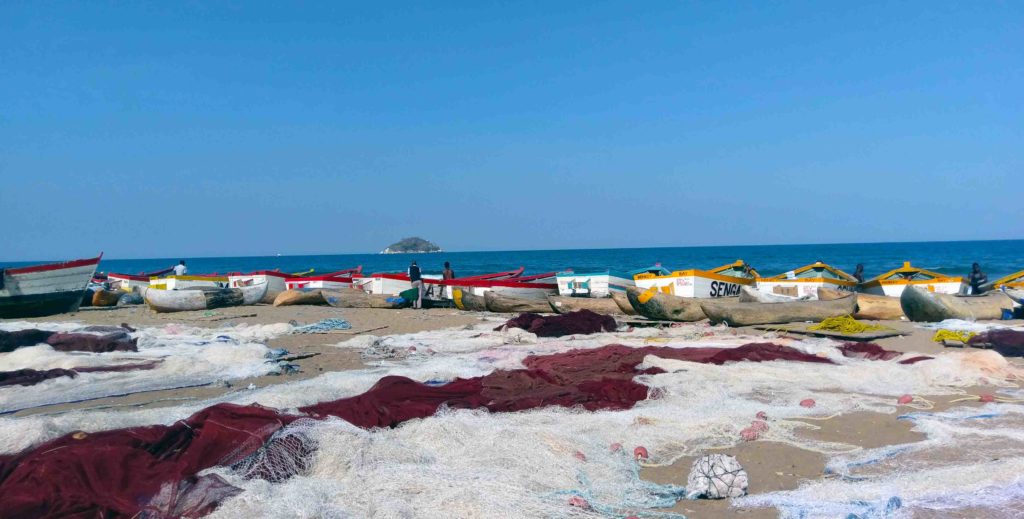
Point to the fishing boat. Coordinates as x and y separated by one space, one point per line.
467 300
869 306
893 283
393 284
753 295
332 280
805 281
622 301
276 281
132 282
537 286
185 282
503 303
1015 280
203 298
600 305
734 313
602 283
659 306
723 281
48 289
301 296
920 305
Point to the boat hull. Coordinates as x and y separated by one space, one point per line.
695 284
622 301
186 282
895 288
42 290
164 301
497 302
869 306
801 288
750 314
275 283
310 296
597 285
564 305
465 299
922 306
660 306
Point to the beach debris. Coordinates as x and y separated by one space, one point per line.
754 431
251 387
807 402
987 398
615 447
943 335
582 322
580 456
845 324
324 325
905 399
640 453
761 415
716 476
579 502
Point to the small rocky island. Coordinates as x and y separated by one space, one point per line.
411 245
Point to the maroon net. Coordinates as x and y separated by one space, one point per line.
580 322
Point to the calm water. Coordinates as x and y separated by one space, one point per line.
997 258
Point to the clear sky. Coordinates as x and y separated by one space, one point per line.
191 129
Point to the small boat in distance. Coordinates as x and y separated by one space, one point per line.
893 283
394 283
602 283
40 290
537 286
805 281
723 281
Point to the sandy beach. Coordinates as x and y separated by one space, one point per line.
772 466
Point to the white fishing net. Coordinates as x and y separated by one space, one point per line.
181 357
557 462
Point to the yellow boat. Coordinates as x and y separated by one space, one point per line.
893 282
805 281
721 281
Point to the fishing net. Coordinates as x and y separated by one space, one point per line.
579 322
845 324
556 461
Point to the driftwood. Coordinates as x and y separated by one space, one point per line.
655 305
923 306
508 304
300 297
735 313
598 305
622 301
465 299
869 306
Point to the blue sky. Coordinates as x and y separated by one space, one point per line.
197 129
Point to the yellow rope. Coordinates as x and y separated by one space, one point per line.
845 324
952 335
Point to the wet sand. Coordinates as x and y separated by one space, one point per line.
771 465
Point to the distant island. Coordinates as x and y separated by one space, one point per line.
410 245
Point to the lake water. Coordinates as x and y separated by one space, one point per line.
997 258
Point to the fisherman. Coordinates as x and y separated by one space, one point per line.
858 273
977 278
448 273
417 283
180 269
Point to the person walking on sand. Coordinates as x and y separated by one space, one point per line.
977 278
180 269
417 282
448 273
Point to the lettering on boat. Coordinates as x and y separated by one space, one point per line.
723 289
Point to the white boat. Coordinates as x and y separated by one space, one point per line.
40 290
133 282
537 286
893 283
805 281
602 283
187 281
393 283
203 298
723 281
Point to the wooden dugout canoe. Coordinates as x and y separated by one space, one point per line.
467 300
598 305
658 306
735 313
507 304
185 300
923 306
869 306
622 301
346 298
307 296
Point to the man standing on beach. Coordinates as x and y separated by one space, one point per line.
976 278
180 269
417 283
858 273
448 273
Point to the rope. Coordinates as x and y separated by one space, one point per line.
952 335
845 324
